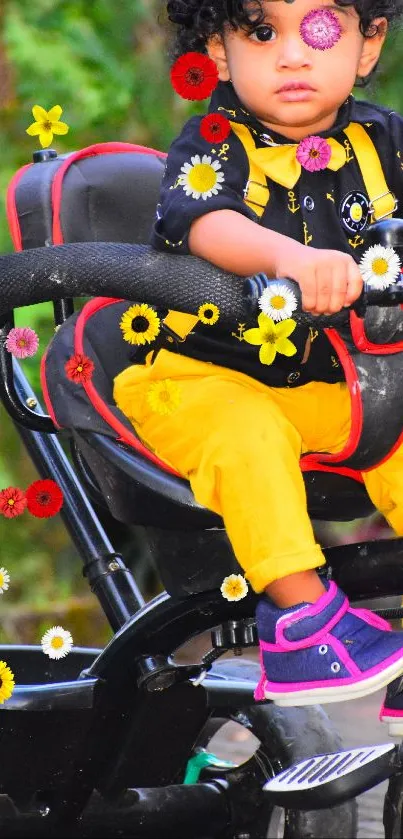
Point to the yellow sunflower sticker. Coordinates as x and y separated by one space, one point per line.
208 314
7 683
272 338
140 324
164 396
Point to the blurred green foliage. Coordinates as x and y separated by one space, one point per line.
106 64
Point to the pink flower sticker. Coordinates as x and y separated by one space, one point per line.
314 153
22 342
320 29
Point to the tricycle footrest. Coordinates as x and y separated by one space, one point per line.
326 780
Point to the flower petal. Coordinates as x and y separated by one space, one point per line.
39 113
285 328
285 347
60 128
267 353
45 138
34 130
55 113
253 336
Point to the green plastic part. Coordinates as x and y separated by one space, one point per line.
199 761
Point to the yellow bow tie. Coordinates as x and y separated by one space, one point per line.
281 165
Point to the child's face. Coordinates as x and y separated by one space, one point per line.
287 84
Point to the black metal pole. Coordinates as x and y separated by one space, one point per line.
109 578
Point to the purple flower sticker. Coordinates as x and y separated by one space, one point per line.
314 153
320 29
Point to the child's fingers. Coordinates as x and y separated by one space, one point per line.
354 284
337 296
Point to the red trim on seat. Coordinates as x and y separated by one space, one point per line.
350 372
338 470
45 391
11 207
101 408
364 344
90 151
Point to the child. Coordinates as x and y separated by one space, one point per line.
288 193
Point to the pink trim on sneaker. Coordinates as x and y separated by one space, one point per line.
343 655
390 712
259 694
309 640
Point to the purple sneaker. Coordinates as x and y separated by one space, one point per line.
324 651
392 709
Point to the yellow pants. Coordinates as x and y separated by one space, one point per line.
238 442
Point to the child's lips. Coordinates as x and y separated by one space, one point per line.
295 92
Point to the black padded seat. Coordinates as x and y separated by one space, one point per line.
109 193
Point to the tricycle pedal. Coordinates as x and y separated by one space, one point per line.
329 779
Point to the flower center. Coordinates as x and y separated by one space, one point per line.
11 502
47 125
1 580
194 76
43 498
21 342
277 301
208 313
56 642
314 153
165 396
379 266
140 324
79 369
202 177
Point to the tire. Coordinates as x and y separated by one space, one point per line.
286 735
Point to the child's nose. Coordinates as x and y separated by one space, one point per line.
294 53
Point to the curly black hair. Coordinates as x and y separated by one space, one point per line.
197 20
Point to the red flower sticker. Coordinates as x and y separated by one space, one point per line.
194 76
12 502
79 368
215 128
44 498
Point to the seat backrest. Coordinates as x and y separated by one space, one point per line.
107 192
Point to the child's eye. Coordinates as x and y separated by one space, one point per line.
264 33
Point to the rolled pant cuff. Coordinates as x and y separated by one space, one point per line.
269 570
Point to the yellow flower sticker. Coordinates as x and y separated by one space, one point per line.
208 314
47 123
164 396
7 683
234 587
140 324
273 338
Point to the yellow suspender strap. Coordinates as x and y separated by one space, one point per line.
383 202
257 193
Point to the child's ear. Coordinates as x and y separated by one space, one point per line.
216 51
373 43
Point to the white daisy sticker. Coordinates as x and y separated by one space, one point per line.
4 580
379 266
57 642
234 587
201 177
278 302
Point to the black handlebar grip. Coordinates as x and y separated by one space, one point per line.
110 269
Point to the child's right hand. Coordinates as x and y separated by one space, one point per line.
328 279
